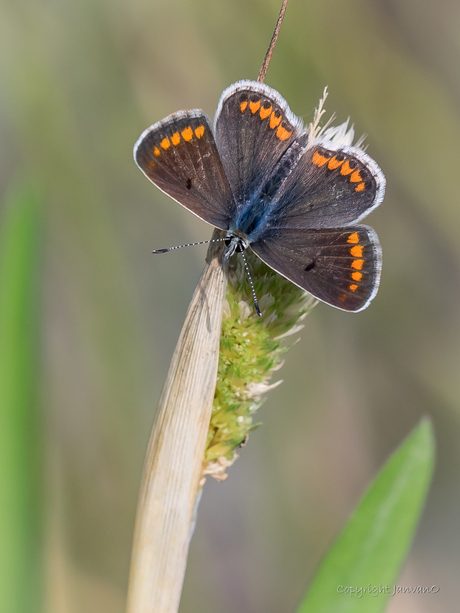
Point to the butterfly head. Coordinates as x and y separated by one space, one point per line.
236 242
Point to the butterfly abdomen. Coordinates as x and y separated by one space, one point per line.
253 213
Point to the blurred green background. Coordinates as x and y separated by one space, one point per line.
79 81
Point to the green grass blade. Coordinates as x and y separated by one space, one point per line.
20 562
371 549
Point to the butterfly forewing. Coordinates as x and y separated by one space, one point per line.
179 155
328 187
338 266
254 127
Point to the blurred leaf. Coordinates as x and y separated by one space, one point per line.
19 469
370 550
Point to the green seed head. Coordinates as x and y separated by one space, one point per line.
251 348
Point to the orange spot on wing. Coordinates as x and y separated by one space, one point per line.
165 143
353 287
199 131
254 106
357 264
334 163
187 134
151 164
319 160
243 106
274 120
343 297
356 276
265 112
282 133
360 187
356 177
345 170
357 251
353 238
156 151
175 139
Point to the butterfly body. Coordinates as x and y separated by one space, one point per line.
294 197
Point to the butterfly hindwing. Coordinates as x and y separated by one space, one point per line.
329 186
179 155
338 266
253 127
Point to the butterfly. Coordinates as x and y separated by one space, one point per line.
292 195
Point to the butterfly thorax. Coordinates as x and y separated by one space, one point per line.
249 218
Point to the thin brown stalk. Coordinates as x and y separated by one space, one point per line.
271 47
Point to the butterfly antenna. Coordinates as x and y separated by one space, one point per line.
268 55
256 304
214 240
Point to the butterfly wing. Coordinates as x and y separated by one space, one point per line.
338 266
253 126
329 186
326 187
179 155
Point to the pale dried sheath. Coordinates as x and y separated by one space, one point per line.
173 464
